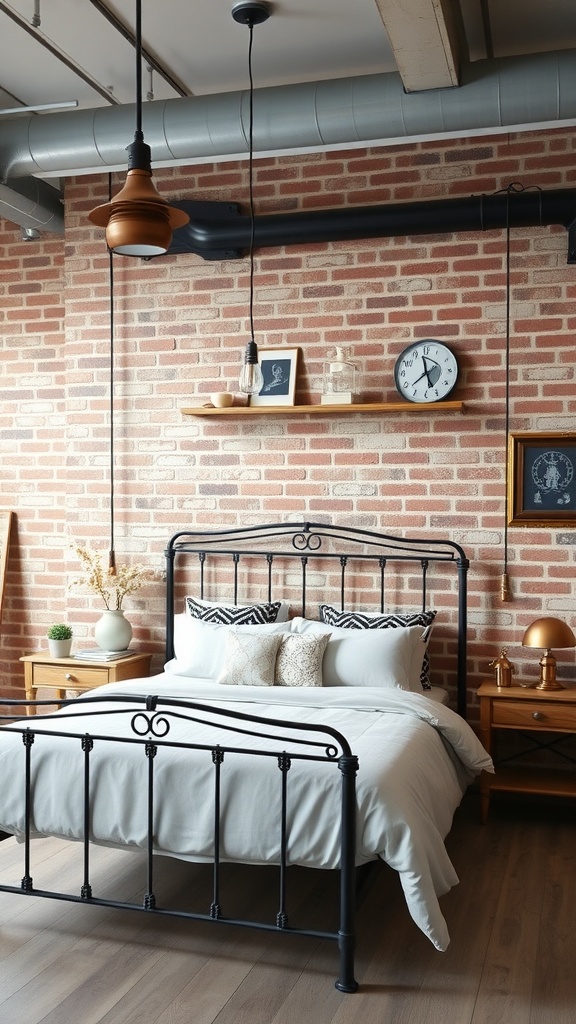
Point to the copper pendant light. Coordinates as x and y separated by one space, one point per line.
138 220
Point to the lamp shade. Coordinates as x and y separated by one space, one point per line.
548 632
138 220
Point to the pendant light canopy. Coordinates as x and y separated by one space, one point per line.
138 220
250 13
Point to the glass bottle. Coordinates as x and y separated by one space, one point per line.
339 376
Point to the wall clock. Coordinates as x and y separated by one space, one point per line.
426 371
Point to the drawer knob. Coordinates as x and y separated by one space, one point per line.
538 716
69 677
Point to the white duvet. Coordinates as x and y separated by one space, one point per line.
416 758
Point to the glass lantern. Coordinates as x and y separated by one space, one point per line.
339 386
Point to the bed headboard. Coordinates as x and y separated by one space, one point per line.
308 563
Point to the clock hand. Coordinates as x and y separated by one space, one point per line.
426 371
425 374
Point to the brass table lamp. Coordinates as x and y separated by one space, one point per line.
546 633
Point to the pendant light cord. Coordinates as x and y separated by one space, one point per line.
513 188
138 47
251 175
507 378
111 552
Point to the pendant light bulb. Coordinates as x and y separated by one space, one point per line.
251 379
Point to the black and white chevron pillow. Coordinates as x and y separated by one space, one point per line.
228 615
360 620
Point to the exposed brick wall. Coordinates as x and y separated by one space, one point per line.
181 328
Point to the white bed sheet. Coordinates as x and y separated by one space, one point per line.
416 758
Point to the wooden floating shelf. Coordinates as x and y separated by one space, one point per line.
323 410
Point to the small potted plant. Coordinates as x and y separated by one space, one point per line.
59 640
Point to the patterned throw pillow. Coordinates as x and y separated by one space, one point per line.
250 660
299 661
247 615
363 620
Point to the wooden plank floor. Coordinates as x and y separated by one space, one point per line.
512 922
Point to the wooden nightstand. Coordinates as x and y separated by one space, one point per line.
530 711
61 674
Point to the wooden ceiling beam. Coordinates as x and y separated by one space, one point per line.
425 39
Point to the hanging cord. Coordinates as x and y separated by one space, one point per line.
111 552
505 592
513 188
251 176
138 48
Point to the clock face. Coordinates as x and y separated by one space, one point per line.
426 371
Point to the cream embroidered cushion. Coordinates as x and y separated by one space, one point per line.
299 661
249 659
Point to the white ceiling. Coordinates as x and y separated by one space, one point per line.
205 50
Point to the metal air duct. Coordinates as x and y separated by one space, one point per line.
513 93
32 203
219 231
494 95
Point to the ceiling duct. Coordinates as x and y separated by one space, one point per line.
515 93
219 231
32 204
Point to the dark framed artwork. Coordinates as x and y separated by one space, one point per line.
542 479
278 367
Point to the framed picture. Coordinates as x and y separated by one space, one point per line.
542 479
279 367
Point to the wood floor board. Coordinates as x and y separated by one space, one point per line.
554 983
224 956
510 961
506 990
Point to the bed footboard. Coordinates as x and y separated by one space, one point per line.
94 728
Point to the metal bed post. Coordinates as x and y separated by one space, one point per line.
87 745
463 565
150 750
28 740
284 764
215 909
346 982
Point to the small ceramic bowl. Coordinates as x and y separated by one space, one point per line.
221 399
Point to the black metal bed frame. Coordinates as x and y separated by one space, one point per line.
302 546
150 717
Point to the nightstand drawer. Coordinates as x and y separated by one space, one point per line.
527 714
73 674
64 677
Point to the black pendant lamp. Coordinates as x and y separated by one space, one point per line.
250 13
138 220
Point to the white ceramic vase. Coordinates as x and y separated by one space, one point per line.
113 632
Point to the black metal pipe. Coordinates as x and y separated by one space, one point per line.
226 233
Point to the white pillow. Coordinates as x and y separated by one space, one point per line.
370 657
381 620
200 647
250 658
299 660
